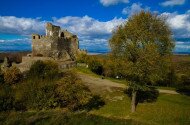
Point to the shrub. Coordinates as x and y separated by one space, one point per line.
41 90
184 89
68 92
82 58
40 95
37 95
72 92
115 67
184 85
95 66
1 77
39 87
95 103
6 97
12 75
43 70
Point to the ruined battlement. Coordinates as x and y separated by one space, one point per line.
57 43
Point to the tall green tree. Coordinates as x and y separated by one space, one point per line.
145 43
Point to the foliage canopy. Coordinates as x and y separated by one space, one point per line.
145 43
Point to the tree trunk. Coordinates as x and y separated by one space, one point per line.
133 101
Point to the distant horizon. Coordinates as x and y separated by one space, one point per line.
90 52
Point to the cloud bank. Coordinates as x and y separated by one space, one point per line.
172 3
112 2
134 8
23 26
179 23
93 34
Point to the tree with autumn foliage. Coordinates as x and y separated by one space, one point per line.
145 43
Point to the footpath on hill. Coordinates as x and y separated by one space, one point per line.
99 85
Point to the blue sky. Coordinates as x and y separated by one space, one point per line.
92 20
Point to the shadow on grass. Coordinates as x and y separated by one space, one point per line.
59 118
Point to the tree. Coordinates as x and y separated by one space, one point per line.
145 43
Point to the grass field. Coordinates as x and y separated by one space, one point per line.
58 117
169 109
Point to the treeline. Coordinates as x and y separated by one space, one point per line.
44 87
177 76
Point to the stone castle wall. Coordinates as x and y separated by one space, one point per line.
28 61
58 44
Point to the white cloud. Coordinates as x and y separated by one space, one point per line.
87 26
180 23
15 45
23 26
134 8
91 32
172 2
112 2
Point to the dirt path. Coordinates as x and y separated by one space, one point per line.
99 85
167 91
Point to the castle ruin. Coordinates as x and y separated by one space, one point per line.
57 43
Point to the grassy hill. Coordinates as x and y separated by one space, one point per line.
169 109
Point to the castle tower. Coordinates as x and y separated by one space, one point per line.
52 30
58 44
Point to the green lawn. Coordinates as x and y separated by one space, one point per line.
167 110
166 88
58 117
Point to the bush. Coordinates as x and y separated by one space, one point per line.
41 90
12 75
183 89
69 92
148 95
82 58
1 77
184 85
95 66
36 95
95 103
72 92
170 79
6 97
39 87
115 67
43 70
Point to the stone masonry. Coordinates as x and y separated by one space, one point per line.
57 43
